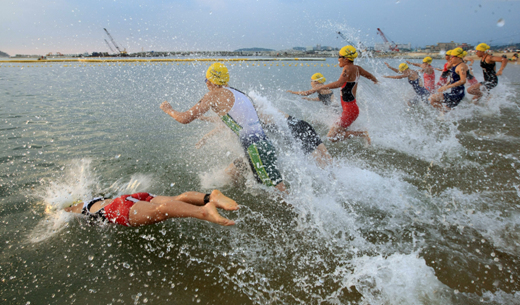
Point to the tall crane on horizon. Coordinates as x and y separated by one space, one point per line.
109 46
393 45
122 53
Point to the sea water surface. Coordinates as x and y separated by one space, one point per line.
427 214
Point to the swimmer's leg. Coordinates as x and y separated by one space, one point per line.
163 208
322 156
338 133
476 92
436 101
197 198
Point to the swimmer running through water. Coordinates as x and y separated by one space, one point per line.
428 73
414 79
324 95
443 80
237 112
310 142
141 209
348 82
447 101
488 65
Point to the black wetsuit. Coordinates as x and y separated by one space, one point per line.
490 76
326 99
304 132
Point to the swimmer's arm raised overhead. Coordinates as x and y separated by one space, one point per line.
392 68
188 116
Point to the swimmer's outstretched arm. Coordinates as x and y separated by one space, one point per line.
304 93
396 76
414 64
366 74
314 99
188 116
391 68
442 70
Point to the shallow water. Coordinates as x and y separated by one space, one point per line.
428 214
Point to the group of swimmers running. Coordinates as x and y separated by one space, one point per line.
455 75
237 112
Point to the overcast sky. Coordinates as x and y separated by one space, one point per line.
76 26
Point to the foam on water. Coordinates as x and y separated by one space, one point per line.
79 183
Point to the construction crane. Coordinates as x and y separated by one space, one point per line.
393 45
122 53
112 50
359 44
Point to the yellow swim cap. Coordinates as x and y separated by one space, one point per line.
427 59
482 47
349 52
403 67
218 74
318 77
448 53
458 52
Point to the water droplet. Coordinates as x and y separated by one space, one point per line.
90 257
126 265
501 22
172 184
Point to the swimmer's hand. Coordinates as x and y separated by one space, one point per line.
442 89
166 107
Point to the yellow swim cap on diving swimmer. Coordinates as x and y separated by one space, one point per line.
318 77
458 52
482 47
403 67
427 59
349 52
218 74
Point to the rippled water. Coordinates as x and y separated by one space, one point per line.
428 214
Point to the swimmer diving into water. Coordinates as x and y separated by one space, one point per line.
447 101
237 112
488 65
348 82
141 209
414 79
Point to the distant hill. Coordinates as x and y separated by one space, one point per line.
2 54
299 48
254 50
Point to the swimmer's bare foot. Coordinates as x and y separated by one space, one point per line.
223 202
210 213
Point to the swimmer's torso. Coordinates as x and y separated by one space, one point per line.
242 119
